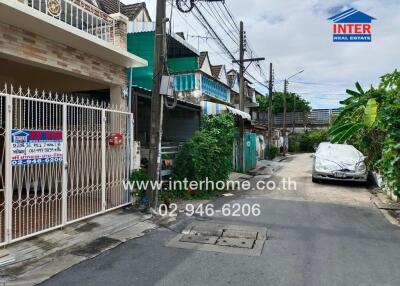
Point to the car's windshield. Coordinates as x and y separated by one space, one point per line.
335 150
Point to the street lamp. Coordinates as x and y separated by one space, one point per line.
294 101
284 109
295 74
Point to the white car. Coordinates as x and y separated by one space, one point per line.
339 162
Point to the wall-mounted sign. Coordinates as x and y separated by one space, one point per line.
30 147
54 7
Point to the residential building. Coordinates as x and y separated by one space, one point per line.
182 57
250 92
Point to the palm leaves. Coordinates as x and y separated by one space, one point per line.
360 112
371 112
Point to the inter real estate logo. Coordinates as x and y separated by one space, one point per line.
352 26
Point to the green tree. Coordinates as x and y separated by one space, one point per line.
302 105
371 121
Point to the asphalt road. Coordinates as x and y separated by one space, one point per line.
318 235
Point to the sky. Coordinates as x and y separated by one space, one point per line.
296 35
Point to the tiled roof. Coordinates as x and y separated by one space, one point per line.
112 6
216 71
132 10
202 58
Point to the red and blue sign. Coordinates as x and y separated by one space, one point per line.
352 26
31 147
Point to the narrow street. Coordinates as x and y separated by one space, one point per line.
319 234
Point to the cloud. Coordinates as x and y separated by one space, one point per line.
296 35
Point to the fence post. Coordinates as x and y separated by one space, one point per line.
65 166
103 159
8 169
131 142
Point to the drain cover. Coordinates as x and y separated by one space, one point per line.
224 238
236 242
229 233
199 239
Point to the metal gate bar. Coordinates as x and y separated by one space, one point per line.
2 167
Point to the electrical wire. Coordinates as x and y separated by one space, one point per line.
221 24
202 20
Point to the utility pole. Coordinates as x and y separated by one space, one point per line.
285 93
241 67
157 103
294 113
241 98
242 70
270 115
284 115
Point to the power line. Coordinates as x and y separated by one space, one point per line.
226 57
230 15
250 52
202 20
221 24
224 14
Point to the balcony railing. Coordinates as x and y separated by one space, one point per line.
214 89
78 14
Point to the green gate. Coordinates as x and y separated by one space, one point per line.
250 153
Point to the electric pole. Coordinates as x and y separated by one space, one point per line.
241 67
157 103
242 70
270 115
284 115
294 112
294 98
241 98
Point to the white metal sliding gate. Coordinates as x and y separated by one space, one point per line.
62 160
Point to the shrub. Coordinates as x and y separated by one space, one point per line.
139 176
271 152
209 153
294 144
311 139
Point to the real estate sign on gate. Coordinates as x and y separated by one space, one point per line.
36 147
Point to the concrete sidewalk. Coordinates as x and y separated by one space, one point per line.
41 257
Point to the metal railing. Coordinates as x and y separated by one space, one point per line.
78 14
315 117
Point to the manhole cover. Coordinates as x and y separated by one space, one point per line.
236 242
199 239
230 233
224 238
